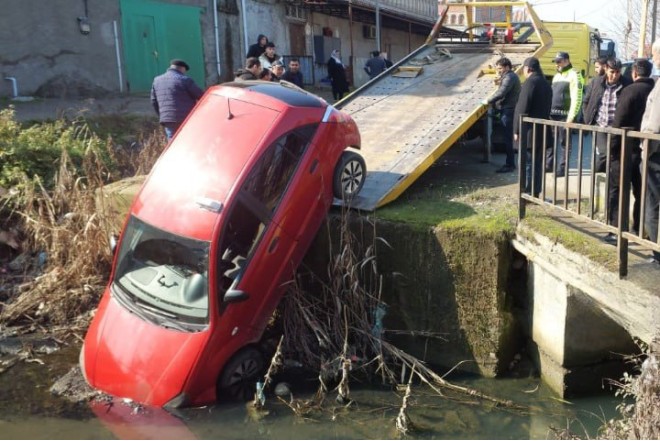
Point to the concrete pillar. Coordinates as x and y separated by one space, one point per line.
577 347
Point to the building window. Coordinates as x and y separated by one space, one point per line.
296 12
452 19
461 19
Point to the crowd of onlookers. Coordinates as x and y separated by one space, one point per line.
609 100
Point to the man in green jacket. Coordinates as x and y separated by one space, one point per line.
567 87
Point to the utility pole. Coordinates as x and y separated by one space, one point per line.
642 28
654 15
378 25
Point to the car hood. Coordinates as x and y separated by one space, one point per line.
202 163
128 357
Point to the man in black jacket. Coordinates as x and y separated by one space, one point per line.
535 101
173 95
602 104
504 99
257 49
629 111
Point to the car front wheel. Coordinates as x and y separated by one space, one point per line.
240 375
350 173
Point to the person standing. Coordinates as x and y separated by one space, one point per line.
599 70
651 124
251 71
504 100
173 95
375 65
269 56
293 75
534 101
277 71
629 112
257 49
337 74
605 92
567 88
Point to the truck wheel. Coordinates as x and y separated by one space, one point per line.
240 375
350 173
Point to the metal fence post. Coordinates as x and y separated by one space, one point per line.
522 171
624 205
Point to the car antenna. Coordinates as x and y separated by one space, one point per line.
229 114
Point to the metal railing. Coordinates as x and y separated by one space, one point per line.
593 204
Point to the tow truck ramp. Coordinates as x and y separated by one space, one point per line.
410 115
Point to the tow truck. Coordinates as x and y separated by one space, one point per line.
412 113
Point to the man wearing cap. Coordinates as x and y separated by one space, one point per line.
534 101
173 95
602 104
277 71
567 85
504 100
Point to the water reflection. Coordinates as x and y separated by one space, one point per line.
371 416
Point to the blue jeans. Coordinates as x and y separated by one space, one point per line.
538 172
170 129
506 118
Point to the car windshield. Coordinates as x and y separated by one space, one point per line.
163 277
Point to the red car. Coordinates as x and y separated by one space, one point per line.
216 231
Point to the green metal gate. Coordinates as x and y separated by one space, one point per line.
154 33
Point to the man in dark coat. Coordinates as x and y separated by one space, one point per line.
535 101
504 100
293 75
257 49
599 69
629 112
173 95
603 98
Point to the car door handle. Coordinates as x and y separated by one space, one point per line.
314 166
273 244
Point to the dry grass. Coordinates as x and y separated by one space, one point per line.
337 329
66 254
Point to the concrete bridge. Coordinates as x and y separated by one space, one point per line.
582 316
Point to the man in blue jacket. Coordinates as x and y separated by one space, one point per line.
173 95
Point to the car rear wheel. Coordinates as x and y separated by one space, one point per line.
240 375
350 173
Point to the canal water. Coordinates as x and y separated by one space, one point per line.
29 411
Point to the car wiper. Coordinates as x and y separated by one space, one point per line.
129 301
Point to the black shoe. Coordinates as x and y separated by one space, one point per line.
560 173
505 169
610 238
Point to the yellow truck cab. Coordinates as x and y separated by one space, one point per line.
581 41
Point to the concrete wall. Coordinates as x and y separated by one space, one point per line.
43 48
582 317
42 44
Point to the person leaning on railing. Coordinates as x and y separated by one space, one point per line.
629 112
534 101
651 124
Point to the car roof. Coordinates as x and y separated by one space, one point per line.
204 161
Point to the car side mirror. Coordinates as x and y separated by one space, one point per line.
235 296
113 243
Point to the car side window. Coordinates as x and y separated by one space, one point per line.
243 230
270 177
